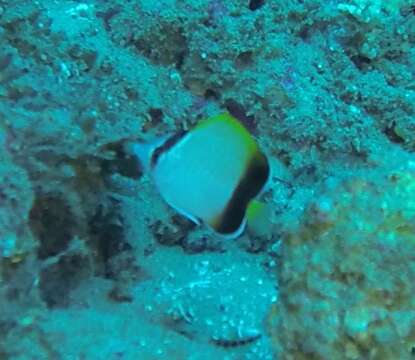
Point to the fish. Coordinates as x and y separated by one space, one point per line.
210 173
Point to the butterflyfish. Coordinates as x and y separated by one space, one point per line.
210 173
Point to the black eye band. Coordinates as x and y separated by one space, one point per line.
168 144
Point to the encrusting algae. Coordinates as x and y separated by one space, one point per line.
346 277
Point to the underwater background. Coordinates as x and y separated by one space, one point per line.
95 265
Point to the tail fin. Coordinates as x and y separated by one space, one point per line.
258 217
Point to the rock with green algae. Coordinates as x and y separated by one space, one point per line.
346 275
16 197
372 9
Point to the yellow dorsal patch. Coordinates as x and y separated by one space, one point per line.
227 121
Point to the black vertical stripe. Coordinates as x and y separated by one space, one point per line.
251 184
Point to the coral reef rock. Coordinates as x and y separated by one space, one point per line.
346 279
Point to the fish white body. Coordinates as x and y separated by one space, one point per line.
205 174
